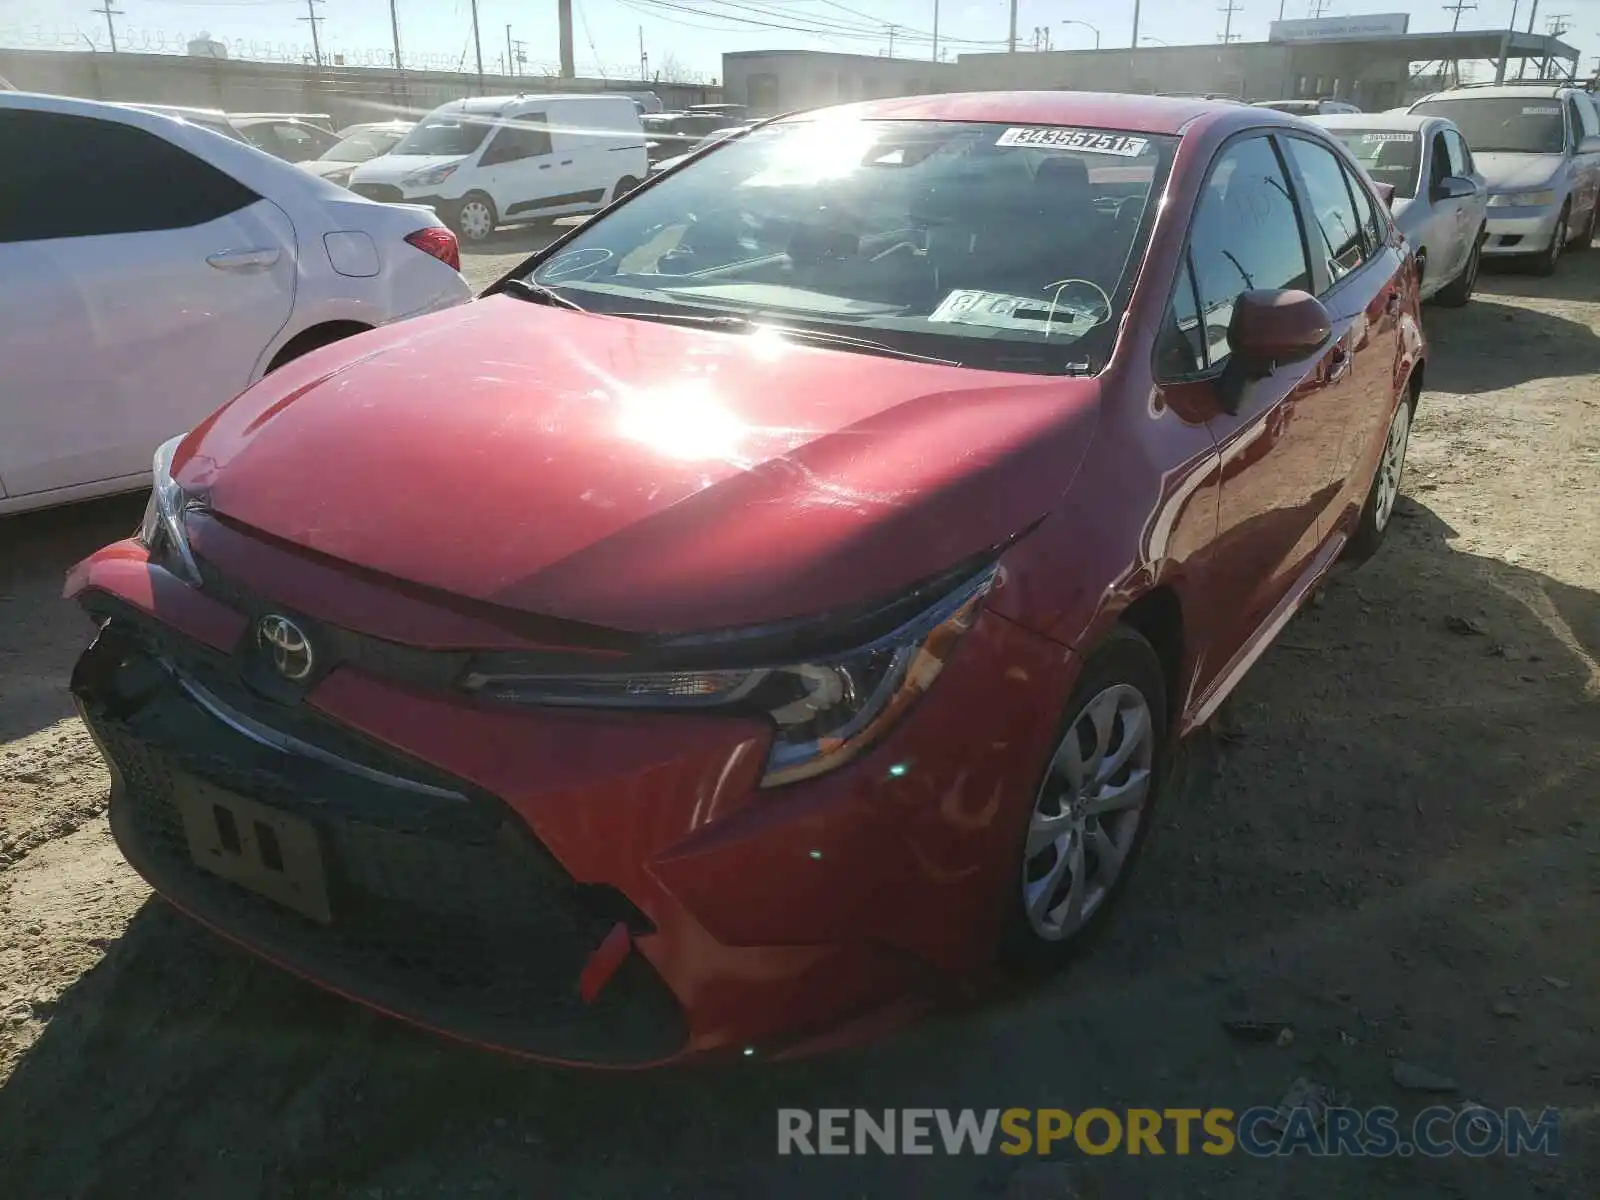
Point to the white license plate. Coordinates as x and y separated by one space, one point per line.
270 852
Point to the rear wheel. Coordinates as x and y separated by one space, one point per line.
1385 490
1459 290
1545 263
624 185
1090 816
474 217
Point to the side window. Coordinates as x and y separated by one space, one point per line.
1245 235
1574 121
294 143
1439 164
62 169
1332 225
1182 348
1373 226
525 137
1589 115
1460 157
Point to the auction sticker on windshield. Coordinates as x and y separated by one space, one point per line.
1056 138
1541 110
969 306
1369 139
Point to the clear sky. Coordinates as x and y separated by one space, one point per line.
693 34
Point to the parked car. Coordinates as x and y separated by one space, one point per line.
710 139
213 119
500 160
357 144
293 139
781 595
128 321
1538 146
1309 108
1440 199
670 135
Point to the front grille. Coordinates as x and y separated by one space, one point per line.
386 192
445 910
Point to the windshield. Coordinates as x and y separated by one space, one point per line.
991 245
362 145
1504 124
1390 156
445 133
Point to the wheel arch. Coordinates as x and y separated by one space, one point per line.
1157 616
324 333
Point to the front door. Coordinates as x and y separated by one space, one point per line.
128 322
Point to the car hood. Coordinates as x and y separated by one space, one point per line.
392 168
632 474
1526 171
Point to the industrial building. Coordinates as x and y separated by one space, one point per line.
1371 61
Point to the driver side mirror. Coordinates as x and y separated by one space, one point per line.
1267 330
1385 193
1454 187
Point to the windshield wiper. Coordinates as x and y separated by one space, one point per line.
821 337
527 289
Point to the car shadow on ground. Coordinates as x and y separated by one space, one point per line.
40 636
1404 787
1548 345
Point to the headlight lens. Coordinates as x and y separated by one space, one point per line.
1540 199
432 176
161 531
825 712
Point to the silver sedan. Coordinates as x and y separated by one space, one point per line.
1440 198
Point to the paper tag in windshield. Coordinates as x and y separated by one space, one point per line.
1368 139
1541 110
969 306
1056 138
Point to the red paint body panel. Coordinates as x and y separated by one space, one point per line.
485 477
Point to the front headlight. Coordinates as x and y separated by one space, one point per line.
824 712
1540 199
161 531
431 177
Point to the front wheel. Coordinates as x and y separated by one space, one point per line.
1090 816
624 185
1545 263
473 218
1385 490
1459 290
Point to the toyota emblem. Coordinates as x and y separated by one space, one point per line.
287 645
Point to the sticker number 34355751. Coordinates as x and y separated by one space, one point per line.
1055 138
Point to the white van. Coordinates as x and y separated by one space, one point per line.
502 160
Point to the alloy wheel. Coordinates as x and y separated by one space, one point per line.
1393 465
1086 816
476 223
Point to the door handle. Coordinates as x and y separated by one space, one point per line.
566 162
544 166
243 260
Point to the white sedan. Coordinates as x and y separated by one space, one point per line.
1440 199
150 270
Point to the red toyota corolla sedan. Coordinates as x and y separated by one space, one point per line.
776 602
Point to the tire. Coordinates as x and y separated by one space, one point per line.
1586 239
1120 675
1459 290
1378 512
624 185
1545 263
473 218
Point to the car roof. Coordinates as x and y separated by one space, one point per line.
1105 110
396 126
499 104
1384 120
1530 91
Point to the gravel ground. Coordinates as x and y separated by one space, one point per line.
1390 844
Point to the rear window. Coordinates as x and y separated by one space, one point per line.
1504 124
1390 156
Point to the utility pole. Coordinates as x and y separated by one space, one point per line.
1011 38
477 45
935 30
564 23
1227 10
1135 42
1533 15
644 59
892 29
108 12
394 28
509 60
316 42
1459 7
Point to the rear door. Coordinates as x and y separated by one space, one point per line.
1588 165
140 287
520 168
1360 283
1474 208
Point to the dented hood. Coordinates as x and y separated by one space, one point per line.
634 474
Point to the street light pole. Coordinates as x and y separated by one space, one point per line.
1092 29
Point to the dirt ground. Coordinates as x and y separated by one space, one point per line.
1393 844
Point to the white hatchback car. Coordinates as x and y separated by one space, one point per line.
150 270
